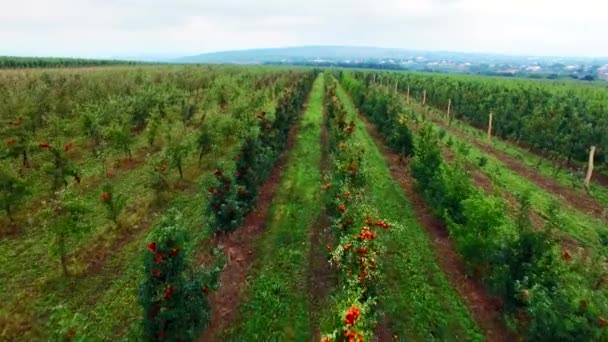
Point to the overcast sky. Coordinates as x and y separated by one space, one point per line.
104 28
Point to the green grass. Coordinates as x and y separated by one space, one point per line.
278 306
416 293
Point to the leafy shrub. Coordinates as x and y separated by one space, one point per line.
12 192
174 298
66 218
227 210
483 161
61 168
113 202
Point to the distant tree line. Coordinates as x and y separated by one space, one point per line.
9 62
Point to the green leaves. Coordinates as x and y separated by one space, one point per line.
12 192
113 202
174 298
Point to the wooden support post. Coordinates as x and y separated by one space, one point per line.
408 94
424 97
590 168
449 106
490 130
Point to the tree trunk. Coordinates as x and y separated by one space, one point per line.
179 168
64 260
9 213
200 155
26 161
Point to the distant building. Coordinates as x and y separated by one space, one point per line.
511 71
602 73
534 68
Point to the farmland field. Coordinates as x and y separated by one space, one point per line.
251 203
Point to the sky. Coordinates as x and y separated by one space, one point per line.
115 28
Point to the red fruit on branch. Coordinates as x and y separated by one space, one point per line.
352 315
342 208
174 251
352 168
205 289
152 246
566 255
603 322
217 172
68 147
362 250
367 234
381 224
347 246
169 292
106 196
352 336
71 332
158 259
155 272
10 142
44 145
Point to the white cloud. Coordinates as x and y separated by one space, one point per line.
132 27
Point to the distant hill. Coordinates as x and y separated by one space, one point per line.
295 54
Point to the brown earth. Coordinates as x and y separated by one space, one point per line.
486 310
239 247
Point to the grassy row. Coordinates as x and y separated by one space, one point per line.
277 308
415 292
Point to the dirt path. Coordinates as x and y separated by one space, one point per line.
321 276
239 247
485 309
576 199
